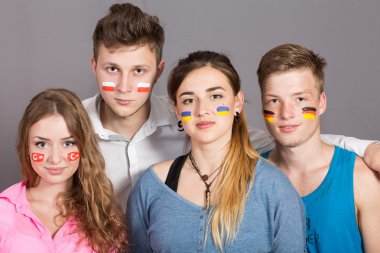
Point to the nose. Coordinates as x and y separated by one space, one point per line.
287 111
202 108
124 84
55 155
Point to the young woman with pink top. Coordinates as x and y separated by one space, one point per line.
65 203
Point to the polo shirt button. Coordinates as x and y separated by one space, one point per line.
201 217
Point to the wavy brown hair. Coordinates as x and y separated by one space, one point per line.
90 200
239 163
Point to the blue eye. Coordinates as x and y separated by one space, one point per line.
41 144
69 144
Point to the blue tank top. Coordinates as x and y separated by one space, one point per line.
330 209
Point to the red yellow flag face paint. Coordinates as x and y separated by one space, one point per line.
73 156
108 86
143 87
222 110
268 116
309 112
186 116
38 157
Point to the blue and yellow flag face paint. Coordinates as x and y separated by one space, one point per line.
186 116
222 111
268 116
309 112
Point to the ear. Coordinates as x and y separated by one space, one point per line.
160 69
239 102
322 103
175 109
93 64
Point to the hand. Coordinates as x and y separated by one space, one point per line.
372 156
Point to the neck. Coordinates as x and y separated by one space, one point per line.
125 126
47 193
208 158
307 156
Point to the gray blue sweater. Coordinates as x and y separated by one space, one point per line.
160 220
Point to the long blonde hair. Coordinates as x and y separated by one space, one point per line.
239 163
91 200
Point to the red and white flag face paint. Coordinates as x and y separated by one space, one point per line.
37 157
72 156
143 87
108 86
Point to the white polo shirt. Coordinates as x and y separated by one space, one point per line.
159 140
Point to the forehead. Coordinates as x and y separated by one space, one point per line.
204 78
50 127
290 82
131 54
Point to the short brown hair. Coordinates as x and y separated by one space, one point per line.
288 57
128 25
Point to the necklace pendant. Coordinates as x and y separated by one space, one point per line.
208 200
204 177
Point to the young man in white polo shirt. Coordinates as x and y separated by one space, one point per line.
136 128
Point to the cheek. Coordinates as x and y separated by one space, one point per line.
73 156
143 87
37 157
268 116
108 86
309 112
186 116
222 110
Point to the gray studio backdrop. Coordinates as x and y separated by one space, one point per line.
48 44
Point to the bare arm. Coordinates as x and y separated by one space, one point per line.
369 150
367 192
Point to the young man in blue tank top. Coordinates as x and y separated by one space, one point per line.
340 192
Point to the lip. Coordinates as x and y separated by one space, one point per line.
288 128
204 124
55 170
123 101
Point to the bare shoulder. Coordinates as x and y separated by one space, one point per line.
366 182
162 169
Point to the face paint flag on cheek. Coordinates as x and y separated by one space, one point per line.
268 116
37 157
222 110
309 112
72 156
143 87
186 116
108 86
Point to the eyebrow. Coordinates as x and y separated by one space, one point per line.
47 139
208 90
294 94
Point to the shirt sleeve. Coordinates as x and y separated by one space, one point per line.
355 145
289 220
261 140
137 220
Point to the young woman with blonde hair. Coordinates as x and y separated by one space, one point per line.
65 203
221 196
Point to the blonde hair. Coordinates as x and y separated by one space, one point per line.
237 171
289 57
90 201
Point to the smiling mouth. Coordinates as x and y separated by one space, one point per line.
288 128
55 171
